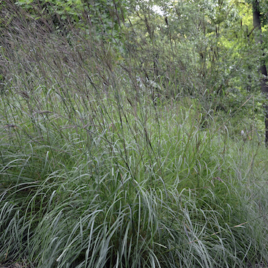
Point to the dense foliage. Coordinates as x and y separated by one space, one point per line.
132 134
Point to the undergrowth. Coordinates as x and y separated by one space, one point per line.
97 170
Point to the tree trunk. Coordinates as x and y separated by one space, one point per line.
263 69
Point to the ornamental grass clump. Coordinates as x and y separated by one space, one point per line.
95 172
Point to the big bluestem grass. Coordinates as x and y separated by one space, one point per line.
97 171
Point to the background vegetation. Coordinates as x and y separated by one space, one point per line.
133 134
